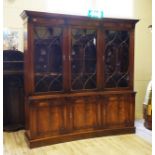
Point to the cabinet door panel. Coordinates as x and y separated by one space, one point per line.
118 111
83 59
84 113
47 118
116 64
115 111
48 59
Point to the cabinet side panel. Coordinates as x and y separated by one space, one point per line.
132 109
28 58
25 25
131 62
28 70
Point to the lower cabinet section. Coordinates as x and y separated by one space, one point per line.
74 117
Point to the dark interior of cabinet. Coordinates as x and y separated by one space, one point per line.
116 59
48 59
83 59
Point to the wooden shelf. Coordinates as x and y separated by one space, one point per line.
9 61
48 74
12 72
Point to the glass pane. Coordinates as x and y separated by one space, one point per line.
48 59
83 59
116 59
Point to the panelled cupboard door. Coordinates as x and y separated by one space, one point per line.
48 118
117 111
83 113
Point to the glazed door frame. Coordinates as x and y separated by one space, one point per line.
131 57
29 65
100 52
99 47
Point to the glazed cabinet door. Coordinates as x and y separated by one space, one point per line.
48 118
48 58
83 58
117 59
83 113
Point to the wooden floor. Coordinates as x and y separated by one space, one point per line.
130 144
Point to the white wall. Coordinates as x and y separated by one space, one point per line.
143 51
13 9
142 9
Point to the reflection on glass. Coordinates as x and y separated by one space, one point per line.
83 59
48 59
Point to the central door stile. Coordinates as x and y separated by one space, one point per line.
100 57
66 56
